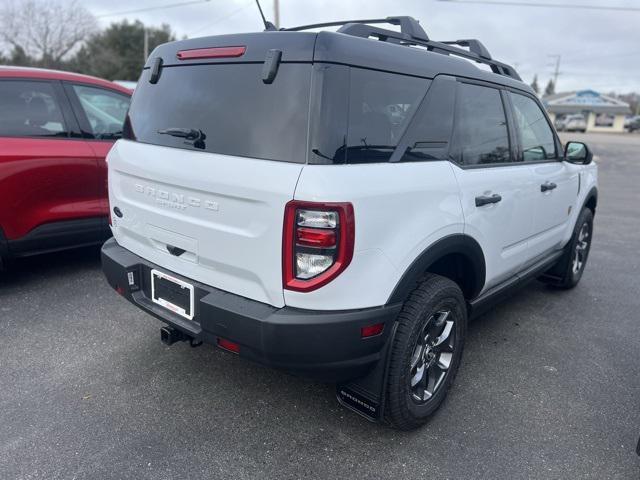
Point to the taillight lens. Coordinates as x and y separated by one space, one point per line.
318 243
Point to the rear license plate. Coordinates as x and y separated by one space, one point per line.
172 293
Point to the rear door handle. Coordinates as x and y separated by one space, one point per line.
547 186
486 199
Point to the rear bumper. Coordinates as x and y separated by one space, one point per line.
325 345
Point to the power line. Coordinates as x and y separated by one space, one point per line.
549 5
148 9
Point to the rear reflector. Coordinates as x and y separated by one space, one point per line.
372 330
215 52
229 345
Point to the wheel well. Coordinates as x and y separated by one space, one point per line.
458 257
459 269
591 204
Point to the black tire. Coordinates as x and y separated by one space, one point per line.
568 271
423 315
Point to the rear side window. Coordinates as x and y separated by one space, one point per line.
380 108
360 115
224 109
480 133
536 137
30 109
105 110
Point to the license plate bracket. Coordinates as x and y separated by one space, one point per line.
172 293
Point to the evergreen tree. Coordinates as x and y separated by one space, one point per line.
534 84
550 89
117 52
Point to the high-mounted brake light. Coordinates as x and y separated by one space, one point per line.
318 243
213 52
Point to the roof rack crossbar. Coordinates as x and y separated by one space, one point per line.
409 26
411 33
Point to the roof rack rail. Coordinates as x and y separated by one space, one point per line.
411 33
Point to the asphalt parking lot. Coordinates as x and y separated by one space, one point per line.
549 386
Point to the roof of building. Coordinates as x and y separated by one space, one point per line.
577 101
43 73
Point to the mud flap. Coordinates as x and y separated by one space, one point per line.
366 395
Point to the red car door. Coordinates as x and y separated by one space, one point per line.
101 113
49 176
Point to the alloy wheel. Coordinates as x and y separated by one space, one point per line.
432 356
581 249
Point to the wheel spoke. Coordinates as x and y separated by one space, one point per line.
417 356
418 376
434 378
445 333
444 360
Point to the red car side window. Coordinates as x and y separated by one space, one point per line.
30 109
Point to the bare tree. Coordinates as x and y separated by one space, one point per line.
45 30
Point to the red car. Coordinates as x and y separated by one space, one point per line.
55 131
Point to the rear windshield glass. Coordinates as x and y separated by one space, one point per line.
226 109
364 122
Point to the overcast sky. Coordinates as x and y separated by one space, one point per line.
599 49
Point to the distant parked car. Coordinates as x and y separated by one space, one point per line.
572 123
633 124
55 131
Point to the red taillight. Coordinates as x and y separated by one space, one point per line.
214 52
228 345
315 237
372 330
318 243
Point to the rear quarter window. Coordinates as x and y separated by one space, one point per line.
362 114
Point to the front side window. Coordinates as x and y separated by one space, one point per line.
105 110
536 137
480 135
30 109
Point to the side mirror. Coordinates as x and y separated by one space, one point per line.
578 152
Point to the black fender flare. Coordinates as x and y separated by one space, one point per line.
591 196
461 244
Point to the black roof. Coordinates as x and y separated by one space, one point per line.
409 52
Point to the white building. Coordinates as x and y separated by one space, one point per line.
602 113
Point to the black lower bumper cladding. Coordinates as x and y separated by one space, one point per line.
324 345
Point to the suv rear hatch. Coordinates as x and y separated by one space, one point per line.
211 155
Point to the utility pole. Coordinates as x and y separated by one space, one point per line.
556 70
146 44
276 12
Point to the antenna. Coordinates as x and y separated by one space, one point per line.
267 25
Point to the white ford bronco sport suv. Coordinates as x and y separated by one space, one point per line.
338 204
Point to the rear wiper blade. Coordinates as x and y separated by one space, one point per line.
188 133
